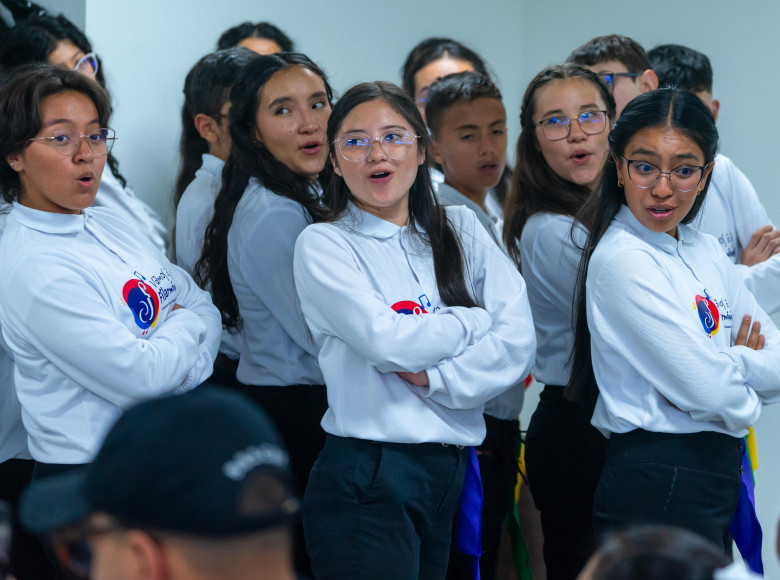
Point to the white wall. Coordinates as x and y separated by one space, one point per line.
148 46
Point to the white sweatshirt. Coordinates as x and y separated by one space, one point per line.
732 213
369 294
662 315
276 348
86 309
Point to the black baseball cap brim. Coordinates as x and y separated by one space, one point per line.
54 502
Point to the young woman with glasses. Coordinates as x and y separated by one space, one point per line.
565 117
95 316
419 319
670 346
56 41
279 111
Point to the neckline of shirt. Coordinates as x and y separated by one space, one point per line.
49 222
661 240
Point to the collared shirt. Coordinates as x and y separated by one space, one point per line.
550 261
276 347
732 213
662 315
193 214
86 308
369 294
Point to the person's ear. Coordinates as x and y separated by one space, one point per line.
715 108
648 81
420 156
618 167
146 558
436 154
207 127
336 168
14 160
707 171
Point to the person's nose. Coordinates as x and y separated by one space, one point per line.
375 152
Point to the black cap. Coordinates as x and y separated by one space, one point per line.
206 463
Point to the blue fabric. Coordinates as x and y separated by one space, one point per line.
468 522
745 527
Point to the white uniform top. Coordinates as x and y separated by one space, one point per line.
86 308
732 213
193 214
662 315
276 347
369 294
124 201
13 437
507 405
550 261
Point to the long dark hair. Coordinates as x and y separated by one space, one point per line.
34 39
21 97
206 89
535 186
667 107
250 159
425 213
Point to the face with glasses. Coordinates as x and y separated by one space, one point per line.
376 153
60 168
433 71
662 171
68 55
571 129
623 84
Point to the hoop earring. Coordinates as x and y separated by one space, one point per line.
620 182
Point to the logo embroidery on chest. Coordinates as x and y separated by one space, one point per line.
708 314
143 302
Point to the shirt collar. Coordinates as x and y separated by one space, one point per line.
48 222
368 224
660 240
212 164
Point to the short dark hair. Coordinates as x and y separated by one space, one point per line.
454 88
432 49
682 67
232 36
21 97
206 89
612 47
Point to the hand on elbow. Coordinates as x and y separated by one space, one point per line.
418 379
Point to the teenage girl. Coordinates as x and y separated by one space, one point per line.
420 319
670 345
57 41
270 193
565 117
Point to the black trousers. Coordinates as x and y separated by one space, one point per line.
28 558
297 411
686 480
382 511
564 455
497 457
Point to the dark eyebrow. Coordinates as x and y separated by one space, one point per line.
58 121
281 100
589 106
649 153
385 128
553 112
466 127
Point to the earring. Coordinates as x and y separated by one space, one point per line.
11 163
620 182
698 190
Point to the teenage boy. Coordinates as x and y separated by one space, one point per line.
467 120
733 213
189 487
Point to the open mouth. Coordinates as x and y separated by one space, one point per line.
380 176
660 211
580 157
86 179
311 147
489 167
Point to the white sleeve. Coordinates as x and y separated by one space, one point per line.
266 263
71 325
505 355
198 302
633 307
338 300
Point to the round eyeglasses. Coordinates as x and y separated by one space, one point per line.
558 127
99 141
395 144
87 64
683 178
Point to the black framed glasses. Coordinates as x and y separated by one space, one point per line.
67 142
683 178
395 144
608 78
559 126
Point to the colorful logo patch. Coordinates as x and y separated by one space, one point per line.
708 314
142 301
408 307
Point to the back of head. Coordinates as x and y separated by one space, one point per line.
611 47
432 49
654 552
21 98
206 90
681 67
454 88
232 36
